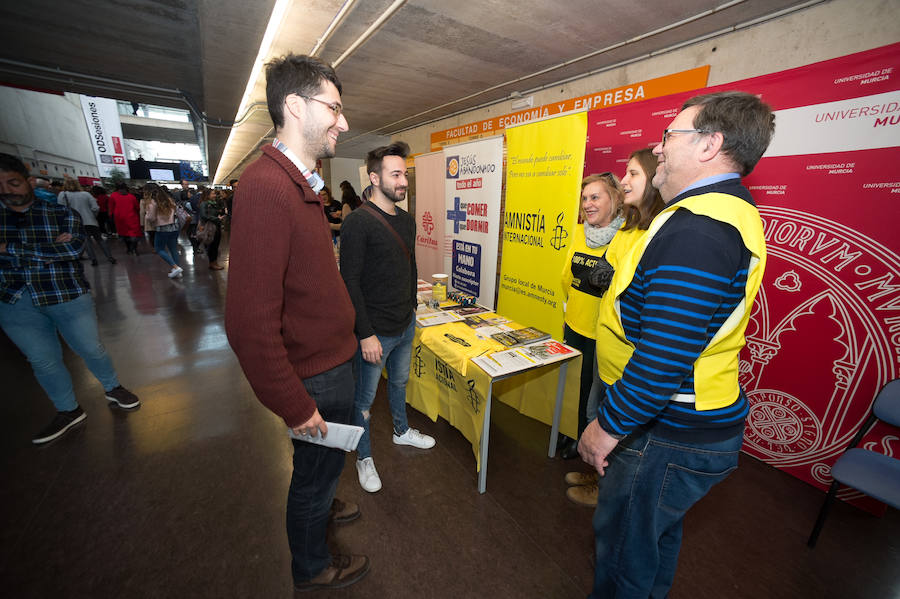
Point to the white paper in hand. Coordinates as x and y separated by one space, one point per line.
340 436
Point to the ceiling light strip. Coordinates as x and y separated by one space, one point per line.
332 27
369 32
275 21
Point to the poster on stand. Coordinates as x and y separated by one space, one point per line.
543 182
102 119
823 336
473 179
429 209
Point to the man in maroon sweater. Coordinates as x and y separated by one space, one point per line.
295 349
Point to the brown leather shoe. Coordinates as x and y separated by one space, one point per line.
343 571
581 478
343 511
585 495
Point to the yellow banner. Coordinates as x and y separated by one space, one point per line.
543 183
633 92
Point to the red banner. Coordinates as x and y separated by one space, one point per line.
825 331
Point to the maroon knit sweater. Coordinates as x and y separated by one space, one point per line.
288 315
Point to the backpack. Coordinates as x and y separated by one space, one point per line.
182 217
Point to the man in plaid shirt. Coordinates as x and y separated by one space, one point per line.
43 292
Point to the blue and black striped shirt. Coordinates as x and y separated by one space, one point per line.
689 280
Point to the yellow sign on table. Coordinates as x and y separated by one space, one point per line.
437 389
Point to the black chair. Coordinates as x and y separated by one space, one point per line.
874 474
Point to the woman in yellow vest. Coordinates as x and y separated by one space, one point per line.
641 203
601 208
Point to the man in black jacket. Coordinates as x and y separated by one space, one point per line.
378 265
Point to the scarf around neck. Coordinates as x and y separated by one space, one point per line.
600 236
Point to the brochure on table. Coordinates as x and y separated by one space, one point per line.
502 333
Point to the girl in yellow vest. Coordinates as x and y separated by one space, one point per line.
641 203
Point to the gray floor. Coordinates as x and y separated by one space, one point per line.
185 497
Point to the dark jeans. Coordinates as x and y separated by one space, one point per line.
93 232
192 235
131 244
588 349
650 484
104 222
315 477
212 250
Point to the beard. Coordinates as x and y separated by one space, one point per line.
316 137
396 194
16 199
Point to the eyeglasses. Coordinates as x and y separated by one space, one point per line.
668 132
334 106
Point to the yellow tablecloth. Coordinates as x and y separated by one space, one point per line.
436 389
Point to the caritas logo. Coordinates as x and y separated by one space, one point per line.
427 223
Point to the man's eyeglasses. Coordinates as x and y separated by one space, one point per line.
334 106
668 132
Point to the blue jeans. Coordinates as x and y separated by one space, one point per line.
315 476
166 245
650 484
395 355
34 330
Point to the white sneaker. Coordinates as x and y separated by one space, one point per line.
368 476
175 272
414 438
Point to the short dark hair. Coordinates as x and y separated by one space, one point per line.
295 74
12 164
376 156
651 203
232 182
746 123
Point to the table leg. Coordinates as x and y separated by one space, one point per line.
485 438
557 409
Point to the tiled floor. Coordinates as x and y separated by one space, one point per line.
185 497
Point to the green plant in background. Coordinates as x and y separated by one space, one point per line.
116 176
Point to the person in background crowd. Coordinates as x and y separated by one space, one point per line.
349 200
56 187
161 214
189 200
229 203
333 212
43 295
211 211
601 209
670 421
86 206
378 265
147 225
642 203
295 349
103 220
125 211
42 190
